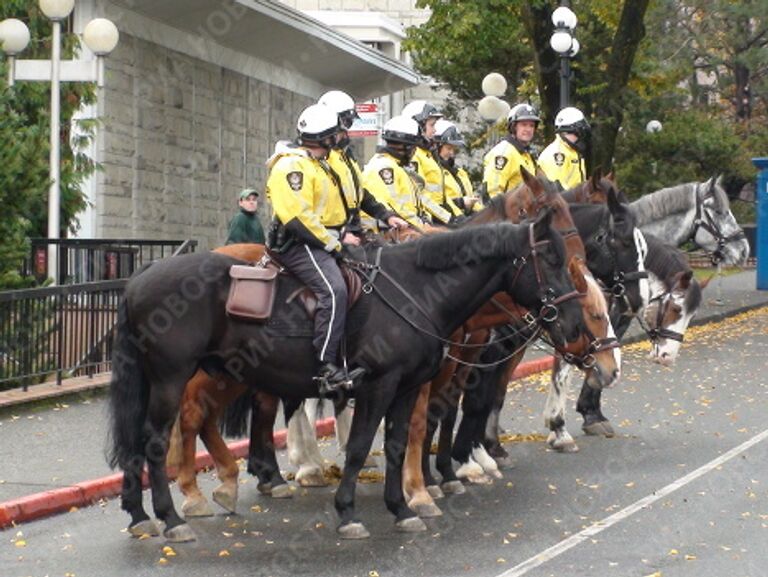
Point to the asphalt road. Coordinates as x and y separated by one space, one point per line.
682 490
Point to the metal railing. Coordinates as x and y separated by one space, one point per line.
64 331
90 260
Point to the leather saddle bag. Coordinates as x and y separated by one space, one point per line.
252 292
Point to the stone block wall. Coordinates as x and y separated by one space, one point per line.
181 138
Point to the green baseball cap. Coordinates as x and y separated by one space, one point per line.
246 192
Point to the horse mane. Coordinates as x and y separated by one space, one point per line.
457 248
660 204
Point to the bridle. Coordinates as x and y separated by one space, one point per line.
655 334
703 219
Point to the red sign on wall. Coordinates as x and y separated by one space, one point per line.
368 123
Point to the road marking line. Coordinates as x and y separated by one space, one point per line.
600 526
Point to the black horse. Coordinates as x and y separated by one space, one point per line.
173 320
616 259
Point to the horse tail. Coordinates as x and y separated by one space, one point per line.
128 395
234 421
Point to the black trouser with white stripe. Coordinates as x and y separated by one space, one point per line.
318 270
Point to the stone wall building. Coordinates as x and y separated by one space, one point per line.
197 92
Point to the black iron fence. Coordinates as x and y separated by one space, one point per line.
91 260
57 332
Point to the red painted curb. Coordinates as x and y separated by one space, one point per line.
39 505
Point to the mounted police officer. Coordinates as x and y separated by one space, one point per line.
456 184
501 165
311 212
385 175
424 163
349 177
563 159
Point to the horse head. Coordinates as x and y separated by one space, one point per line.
597 353
669 313
715 227
539 281
628 247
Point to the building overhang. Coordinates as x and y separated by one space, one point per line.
286 38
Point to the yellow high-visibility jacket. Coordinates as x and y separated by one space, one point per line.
391 185
433 196
458 186
501 167
563 163
305 198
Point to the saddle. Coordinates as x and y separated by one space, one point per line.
253 289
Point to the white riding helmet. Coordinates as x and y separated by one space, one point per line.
401 129
421 110
342 104
316 123
523 111
447 133
571 119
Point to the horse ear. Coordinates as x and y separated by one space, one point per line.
576 270
531 181
614 204
543 222
683 279
597 175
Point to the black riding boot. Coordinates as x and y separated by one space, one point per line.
332 381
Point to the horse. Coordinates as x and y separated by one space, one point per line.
177 306
697 212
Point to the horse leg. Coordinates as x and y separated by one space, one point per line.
414 489
369 410
395 443
164 400
262 460
595 423
303 451
554 411
491 434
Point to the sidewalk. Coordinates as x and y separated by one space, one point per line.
54 450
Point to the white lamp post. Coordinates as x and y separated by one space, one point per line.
653 126
563 42
491 107
101 37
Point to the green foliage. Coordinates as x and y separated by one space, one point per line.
692 146
24 147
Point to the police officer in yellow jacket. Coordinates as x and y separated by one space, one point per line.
563 159
385 175
501 165
310 214
425 165
456 184
347 171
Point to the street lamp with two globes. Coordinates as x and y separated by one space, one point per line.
491 107
566 45
100 36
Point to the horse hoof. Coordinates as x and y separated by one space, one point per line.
199 507
148 527
410 525
226 497
435 492
568 447
453 488
180 534
264 488
283 491
314 478
427 510
353 531
599 428
479 479
504 462
494 473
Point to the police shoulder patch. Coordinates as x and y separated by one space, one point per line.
559 158
500 162
295 180
387 175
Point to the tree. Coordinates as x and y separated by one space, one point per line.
24 147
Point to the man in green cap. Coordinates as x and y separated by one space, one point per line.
245 225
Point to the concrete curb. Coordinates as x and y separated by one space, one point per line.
46 503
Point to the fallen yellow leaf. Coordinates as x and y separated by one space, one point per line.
223 553
673 551
20 543
373 573
168 551
162 561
